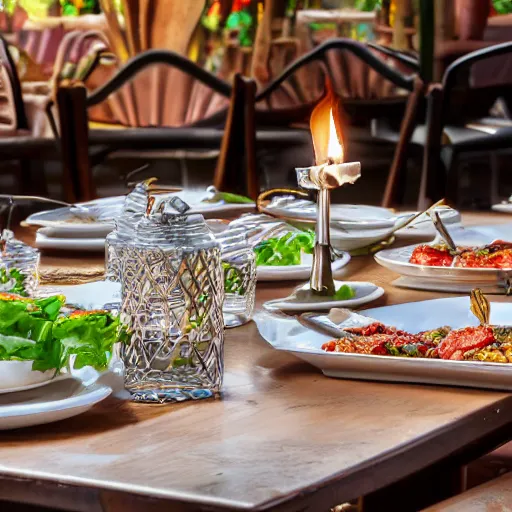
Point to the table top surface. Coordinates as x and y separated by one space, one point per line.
282 431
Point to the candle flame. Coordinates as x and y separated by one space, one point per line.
326 130
334 147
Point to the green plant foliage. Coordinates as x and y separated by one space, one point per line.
503 6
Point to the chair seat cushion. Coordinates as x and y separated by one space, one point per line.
187 138
476 138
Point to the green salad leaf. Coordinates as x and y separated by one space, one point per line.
37 330
88 335
345 292
18 349
286 250
16 278
228 198
233 279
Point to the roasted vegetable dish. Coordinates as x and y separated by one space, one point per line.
497 255
483 343
45 332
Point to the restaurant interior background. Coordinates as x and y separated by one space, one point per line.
88 41
90 105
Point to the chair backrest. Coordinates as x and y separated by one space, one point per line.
473 83
12 110
174 92
359 75
75 46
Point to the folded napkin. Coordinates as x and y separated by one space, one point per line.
49 274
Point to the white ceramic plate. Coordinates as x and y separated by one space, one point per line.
56 401
292 272
447 286
397 260
69 244
348 216
285 333
502 207
88 296
422 227
353 239
360 217
106 210
365 293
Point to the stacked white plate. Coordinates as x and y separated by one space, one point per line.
78 229
357 226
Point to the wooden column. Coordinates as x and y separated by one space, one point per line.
74 143
427 24
396 179
236 168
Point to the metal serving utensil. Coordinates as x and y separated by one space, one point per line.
480 306
324 326
441 229
42 199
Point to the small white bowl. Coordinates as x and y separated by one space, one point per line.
18 376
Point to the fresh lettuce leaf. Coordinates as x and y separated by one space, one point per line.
345 292
35 330
286 250
20 349
89 336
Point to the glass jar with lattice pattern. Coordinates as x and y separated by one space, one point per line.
133 210
172 295
239 267
19 266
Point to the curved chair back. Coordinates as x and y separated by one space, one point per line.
163 88
360 77
473 83
12 110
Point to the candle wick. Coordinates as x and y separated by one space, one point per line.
330 161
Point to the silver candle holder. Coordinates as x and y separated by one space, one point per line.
325 178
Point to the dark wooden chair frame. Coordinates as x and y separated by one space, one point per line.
411 83
435 180
23 148
73 103
359 50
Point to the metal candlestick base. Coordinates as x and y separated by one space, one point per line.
322 282
324 178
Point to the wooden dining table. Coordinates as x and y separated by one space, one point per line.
282 437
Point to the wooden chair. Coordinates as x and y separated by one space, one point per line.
327 60
373 94
495 495
16 141
454 124
78 141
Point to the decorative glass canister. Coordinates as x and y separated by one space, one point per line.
19 266
133 210
239 266
172 295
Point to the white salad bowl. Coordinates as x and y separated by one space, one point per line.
18 376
